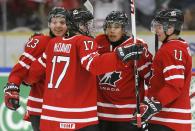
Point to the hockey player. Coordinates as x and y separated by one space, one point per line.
116 90
168 104
71 65
33 50
80 22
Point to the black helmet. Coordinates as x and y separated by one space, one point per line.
116 16
57 12
77 17
173 17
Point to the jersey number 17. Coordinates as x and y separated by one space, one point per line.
56 60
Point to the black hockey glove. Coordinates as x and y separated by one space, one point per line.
148 109
11 96
130 52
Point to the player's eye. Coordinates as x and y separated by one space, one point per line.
63 22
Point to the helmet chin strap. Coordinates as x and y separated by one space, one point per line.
167 36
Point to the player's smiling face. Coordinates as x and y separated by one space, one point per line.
58 26
114 32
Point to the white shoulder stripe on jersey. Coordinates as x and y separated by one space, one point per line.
173 67
32 58
41 62
34 109
114 115
144 66
35 99
174 77
169 120
62 109
177 110
24 65
91 119
116 106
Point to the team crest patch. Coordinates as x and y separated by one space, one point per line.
110 78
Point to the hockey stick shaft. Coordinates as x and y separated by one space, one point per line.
89 6
133 27
156 43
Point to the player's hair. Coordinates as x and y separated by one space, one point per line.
116 17
170 17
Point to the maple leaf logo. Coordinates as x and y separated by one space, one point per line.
110 78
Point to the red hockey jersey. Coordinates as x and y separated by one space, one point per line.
71 66
67 4
116 90
170 85
33 50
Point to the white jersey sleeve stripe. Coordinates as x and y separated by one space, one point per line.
35 99
147 75
44 56
174 77
173 67
24 65
144 66
34 109
89 63
41 62
32 58
86 57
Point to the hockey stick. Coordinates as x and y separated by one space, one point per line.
156 43
133 26
89 6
